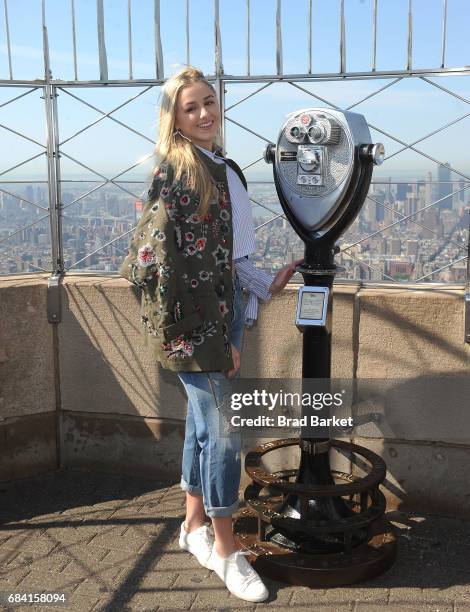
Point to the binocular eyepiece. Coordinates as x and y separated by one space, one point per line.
316 129
322 165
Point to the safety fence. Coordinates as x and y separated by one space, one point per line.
76 209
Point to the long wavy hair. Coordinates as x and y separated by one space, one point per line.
179 151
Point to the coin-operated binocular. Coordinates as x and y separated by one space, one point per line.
322 168
325 528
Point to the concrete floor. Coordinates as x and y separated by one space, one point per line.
109 542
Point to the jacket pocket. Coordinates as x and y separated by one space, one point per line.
190 323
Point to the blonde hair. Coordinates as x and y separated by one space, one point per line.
179 151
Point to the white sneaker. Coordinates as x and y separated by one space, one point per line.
198 542
239 577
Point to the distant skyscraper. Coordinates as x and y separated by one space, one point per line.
380 209
428 191
30 193
402 190
444 187
459 198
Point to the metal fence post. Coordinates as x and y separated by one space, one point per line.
53 163
467 291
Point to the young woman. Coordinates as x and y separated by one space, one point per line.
189 254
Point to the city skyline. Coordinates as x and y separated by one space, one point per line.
105 132
370 251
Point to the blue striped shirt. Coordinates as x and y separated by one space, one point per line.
256 281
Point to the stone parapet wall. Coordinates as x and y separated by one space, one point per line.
85 393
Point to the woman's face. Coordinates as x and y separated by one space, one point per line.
197 114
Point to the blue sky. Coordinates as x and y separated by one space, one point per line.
408 110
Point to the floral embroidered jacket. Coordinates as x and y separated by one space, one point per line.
183 264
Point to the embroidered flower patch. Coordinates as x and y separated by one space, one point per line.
204 275
146 256
189 236
185 200
191 249
224 215
194 283
158 235
179 348
194 219
201 244
161 174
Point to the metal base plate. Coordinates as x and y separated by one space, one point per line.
322 570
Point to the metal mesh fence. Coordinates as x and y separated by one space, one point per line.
66 204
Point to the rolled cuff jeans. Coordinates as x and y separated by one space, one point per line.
211 461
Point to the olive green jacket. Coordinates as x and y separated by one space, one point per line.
183 264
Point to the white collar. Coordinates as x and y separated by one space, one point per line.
217 155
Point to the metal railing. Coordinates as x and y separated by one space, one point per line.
52 88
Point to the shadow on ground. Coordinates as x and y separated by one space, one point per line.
109 542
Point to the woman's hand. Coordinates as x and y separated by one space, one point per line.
283 276
236 362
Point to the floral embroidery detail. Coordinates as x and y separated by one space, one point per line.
224 215
170 210
215 228
164 270
184 200
134 276
145 321
194 219
220 255
177 312
183 346
191 249
164 192
204 275
223 307
161 174
208 328
154 207
158 235
179 240
201 244
189 236
194 283
146 256
226 342
179 348
223 196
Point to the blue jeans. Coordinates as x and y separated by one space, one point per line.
211 462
